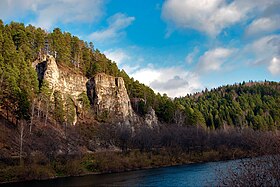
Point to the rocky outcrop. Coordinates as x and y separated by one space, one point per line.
60 79
109 97
150 118
107 94
67 82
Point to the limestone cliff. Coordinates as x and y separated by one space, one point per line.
108 95
60 79
67 82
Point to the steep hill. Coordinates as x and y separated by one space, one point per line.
23 90
21 46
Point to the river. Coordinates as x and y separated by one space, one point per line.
201 174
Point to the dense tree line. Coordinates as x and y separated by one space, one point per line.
250 104
18 81
187 139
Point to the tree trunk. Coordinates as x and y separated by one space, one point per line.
65 128
47 114
32 115
21 143
7 113
1 80
39 108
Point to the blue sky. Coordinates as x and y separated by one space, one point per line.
173 46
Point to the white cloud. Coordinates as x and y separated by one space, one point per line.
190 57
13 8
119 56
213 59
174 81
266 45
124 59
263 25
263 49
211 16
274 66
116 24
48 13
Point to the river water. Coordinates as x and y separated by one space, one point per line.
201 174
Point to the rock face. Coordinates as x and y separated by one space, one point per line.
63 80
150 118
67 82
109 97
107 94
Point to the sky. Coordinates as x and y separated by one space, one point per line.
175 47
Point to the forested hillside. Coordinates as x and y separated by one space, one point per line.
21 45
248 104
253 104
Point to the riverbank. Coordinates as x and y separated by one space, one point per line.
112 162
199 174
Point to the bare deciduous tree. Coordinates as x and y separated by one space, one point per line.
258 171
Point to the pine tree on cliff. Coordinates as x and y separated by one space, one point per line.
59 112
44 100
61 46
84 101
